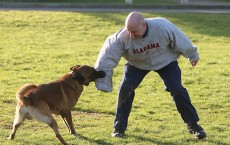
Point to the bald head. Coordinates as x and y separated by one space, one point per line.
134 19
135 23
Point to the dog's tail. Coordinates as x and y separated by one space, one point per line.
24 91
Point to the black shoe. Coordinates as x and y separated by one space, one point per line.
197 130
118 133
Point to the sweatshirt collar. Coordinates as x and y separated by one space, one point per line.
146 31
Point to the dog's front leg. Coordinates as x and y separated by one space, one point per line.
54 126
67 118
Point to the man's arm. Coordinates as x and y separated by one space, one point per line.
182 44
108 58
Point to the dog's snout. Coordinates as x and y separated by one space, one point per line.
102 73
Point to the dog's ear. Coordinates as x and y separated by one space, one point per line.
73 67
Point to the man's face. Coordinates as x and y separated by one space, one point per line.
136 32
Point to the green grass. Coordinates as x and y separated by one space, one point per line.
38 47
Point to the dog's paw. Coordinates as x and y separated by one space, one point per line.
10 138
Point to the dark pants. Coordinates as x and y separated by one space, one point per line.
171 75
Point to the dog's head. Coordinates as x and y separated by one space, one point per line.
86 74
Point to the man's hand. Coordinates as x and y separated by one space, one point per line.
194 62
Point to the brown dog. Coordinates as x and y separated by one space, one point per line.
58 97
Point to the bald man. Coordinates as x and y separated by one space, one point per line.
152 44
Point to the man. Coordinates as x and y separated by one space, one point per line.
152 44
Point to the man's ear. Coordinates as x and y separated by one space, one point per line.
73 67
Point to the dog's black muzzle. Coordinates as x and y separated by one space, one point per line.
100 74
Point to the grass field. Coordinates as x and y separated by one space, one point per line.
38 47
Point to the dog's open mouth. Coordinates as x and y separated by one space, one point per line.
97 74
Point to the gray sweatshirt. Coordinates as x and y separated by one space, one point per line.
163 44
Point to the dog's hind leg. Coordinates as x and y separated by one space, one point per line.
19 118
43 114
67 118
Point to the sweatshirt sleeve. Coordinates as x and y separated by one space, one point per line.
181 43
108 58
